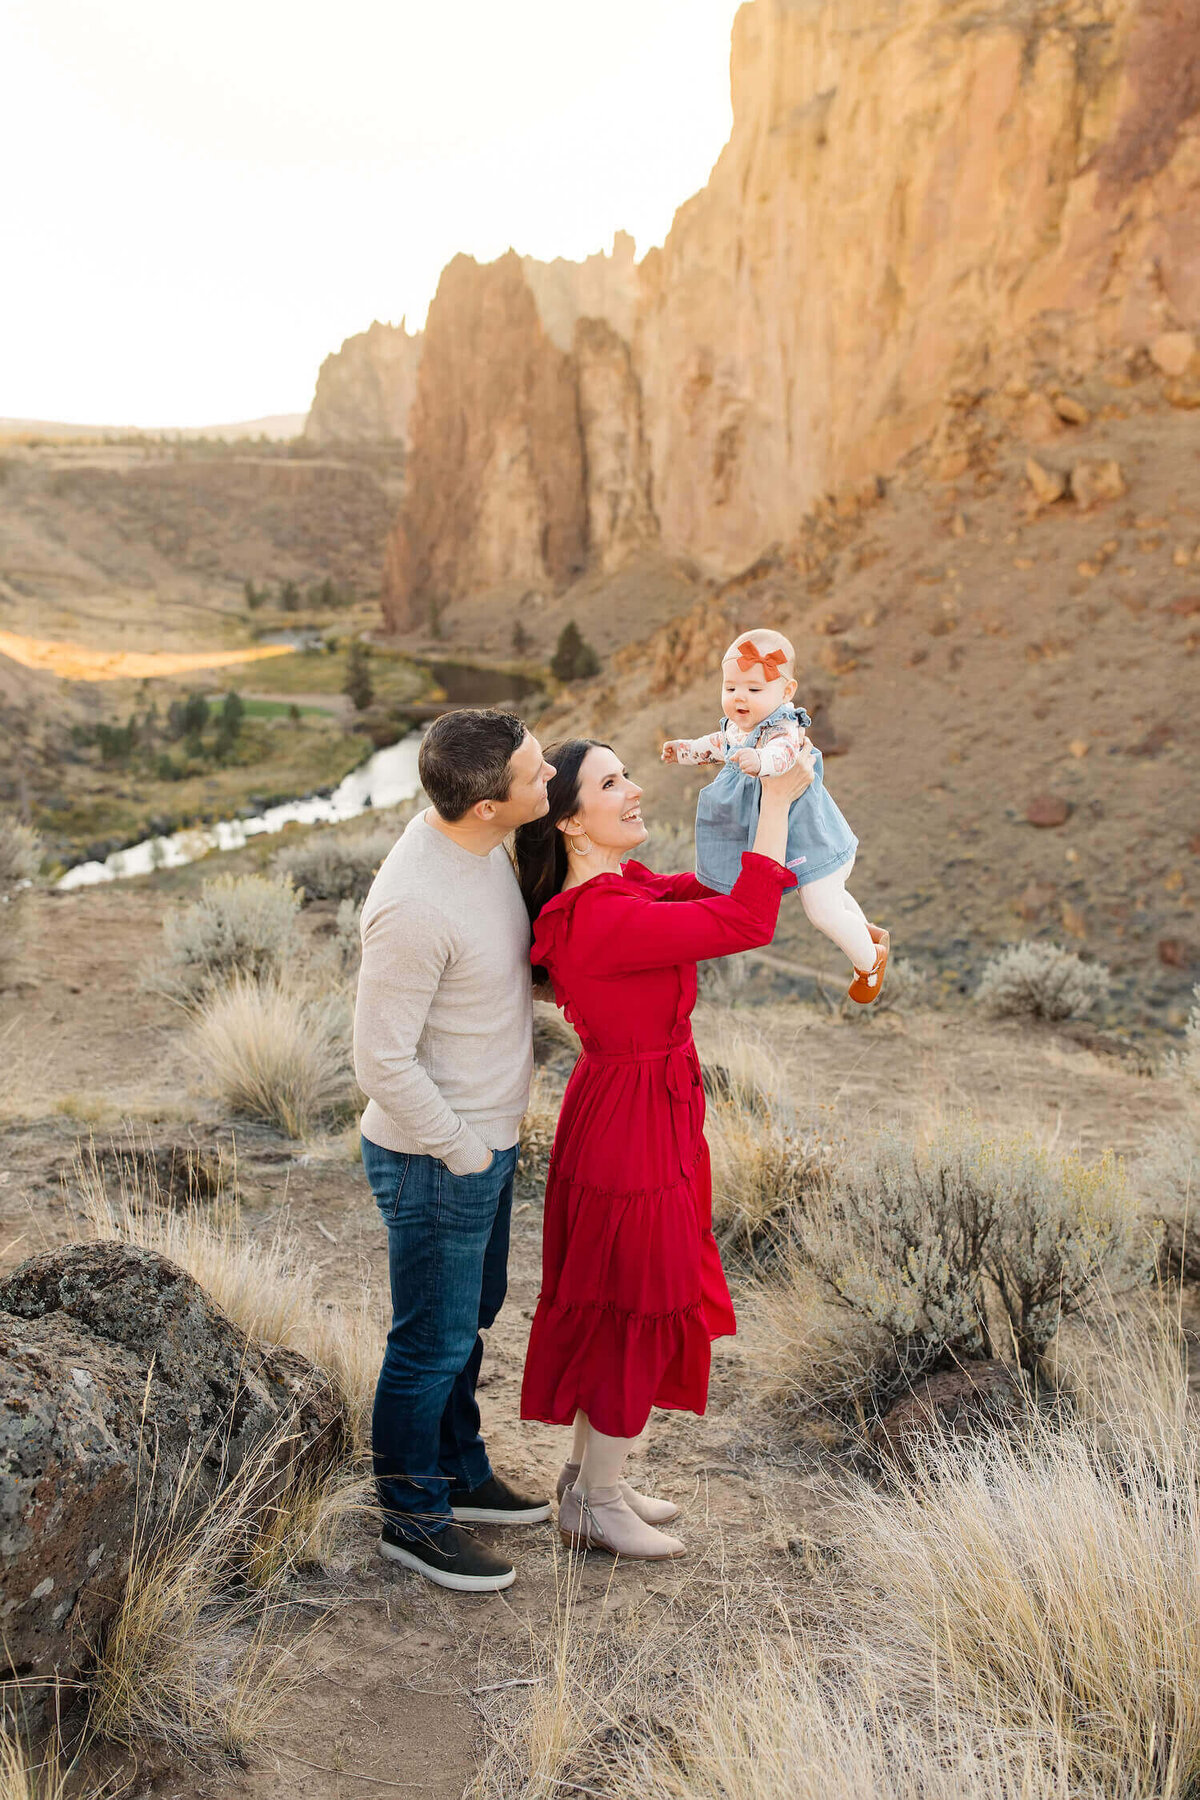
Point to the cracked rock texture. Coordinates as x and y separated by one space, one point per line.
117 1370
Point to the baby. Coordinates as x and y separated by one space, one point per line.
762 734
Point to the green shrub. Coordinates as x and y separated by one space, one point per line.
242 925
573 659
1041 981
335 864
358 686
967 1247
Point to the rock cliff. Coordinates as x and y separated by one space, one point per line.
917 200
366 389
495 490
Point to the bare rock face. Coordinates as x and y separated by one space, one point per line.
495 488
601 287
916 201
910 198
615 463
366 389
114 1368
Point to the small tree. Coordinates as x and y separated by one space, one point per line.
232 713
195 715
574 659
358 686
290 597
255 596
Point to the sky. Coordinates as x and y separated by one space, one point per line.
202 201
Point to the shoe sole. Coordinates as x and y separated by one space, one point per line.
461 1584
495 1515
581 1543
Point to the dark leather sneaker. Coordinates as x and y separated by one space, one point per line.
451 1558
495 1503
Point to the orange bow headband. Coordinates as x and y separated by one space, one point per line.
772 661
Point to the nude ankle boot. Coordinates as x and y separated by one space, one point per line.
646 1506
603 1520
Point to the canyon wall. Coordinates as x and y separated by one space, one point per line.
494 491
366 389
914 197
917 196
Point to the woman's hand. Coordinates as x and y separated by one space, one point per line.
781 790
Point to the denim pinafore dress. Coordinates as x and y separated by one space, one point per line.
819 839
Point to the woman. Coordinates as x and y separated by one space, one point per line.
632 1286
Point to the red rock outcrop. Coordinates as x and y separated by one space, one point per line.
495 490
366 389
914 200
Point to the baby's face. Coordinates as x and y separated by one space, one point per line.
747 697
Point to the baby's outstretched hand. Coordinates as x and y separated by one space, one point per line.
670 750
748 761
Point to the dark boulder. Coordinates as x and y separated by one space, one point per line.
116 1372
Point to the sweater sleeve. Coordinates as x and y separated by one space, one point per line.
629 932
405 953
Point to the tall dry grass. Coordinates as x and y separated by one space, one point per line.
198 1655
1017 1624
275 1052
268 1287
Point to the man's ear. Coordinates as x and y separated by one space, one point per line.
485 810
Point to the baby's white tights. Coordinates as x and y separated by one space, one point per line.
835 912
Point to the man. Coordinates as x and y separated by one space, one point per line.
443 1050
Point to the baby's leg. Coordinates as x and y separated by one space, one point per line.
836 913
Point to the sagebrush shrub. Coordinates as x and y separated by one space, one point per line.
20 852
242 925
1041 981
271 1053
335 864
967 1247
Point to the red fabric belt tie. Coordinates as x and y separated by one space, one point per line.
683 1078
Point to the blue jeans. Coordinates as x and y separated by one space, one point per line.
448 1264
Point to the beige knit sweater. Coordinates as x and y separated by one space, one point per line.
443 1023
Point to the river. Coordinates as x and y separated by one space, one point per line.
387 778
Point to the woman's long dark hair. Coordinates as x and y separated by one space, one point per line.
541 848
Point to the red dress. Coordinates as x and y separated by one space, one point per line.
633 1291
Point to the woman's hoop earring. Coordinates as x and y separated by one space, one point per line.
579 845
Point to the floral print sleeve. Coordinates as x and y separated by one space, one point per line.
701 749
780 750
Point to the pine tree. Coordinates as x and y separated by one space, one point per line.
358 686
232 713
573 659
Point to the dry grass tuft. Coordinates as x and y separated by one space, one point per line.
1041 981
20 852
194 1657
242 926
270 1289
539 1125
276 1053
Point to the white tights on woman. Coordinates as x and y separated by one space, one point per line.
836 913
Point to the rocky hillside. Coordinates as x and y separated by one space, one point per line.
914 203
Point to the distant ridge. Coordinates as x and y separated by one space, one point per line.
275 425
